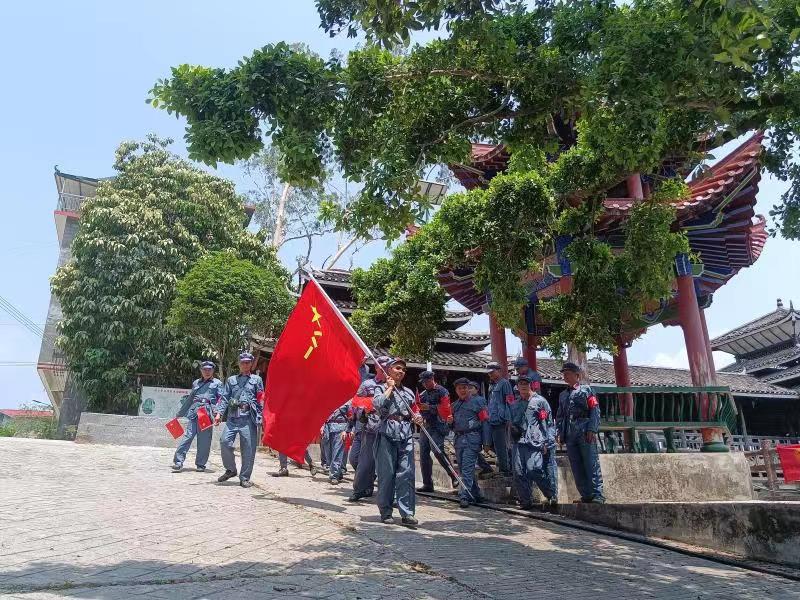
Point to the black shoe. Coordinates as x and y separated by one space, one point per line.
526 506
585 500
369 493
463 503
409 522
200 468
226 475
355 497
246 483
553 501
282 472
387 520
425 488
480 500
334 481
176 467
598 500
313 470
454 484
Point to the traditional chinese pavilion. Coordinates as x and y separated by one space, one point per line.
768 349
722 228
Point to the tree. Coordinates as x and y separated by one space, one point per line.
138 236
223 299
583 92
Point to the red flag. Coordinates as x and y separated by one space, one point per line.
313 371
175 428
789 455
364 402
444 409
203 418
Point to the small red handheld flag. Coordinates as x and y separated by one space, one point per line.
175 428
313 371
203 418
789 455
364 402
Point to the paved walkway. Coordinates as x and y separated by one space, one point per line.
113 522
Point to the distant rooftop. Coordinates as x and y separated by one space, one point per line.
778 327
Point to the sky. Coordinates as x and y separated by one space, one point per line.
77 75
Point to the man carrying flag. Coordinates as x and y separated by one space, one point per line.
205 392
394 446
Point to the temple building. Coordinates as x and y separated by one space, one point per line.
768 349
459 353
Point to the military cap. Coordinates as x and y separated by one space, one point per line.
474 384
570 366
207 364
426 375
462 381
520 362
244 356
524 378
493 366
393 361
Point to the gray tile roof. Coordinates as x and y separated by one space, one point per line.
768 359
776 316
602 372
466 336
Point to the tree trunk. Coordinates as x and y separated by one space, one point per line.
277 238
579 358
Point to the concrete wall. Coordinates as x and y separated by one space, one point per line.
768 531
634 478
122 430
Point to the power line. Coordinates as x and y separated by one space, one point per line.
24 320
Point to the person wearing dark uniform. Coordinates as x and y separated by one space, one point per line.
534 454
335 430
434 406
484 467
470 422
204 394
394 445
243 410
501 397
578 424
368 417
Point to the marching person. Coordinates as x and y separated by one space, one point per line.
534 453
521 367
206 390
484 466
578 423
364 479
283 462
434 407
243 412
501 397
334 432
470 422
394 445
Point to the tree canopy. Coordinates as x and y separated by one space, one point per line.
582 92
143 230
224 299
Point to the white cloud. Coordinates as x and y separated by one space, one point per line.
677 360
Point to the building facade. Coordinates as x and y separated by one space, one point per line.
64 395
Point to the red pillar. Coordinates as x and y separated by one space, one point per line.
622 377
707 341
497 334
531 344
634 185
701 369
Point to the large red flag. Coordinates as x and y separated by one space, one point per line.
313 371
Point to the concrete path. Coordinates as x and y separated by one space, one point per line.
112 522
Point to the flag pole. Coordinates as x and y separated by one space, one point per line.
369 353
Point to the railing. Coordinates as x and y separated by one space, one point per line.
667 410
70 202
